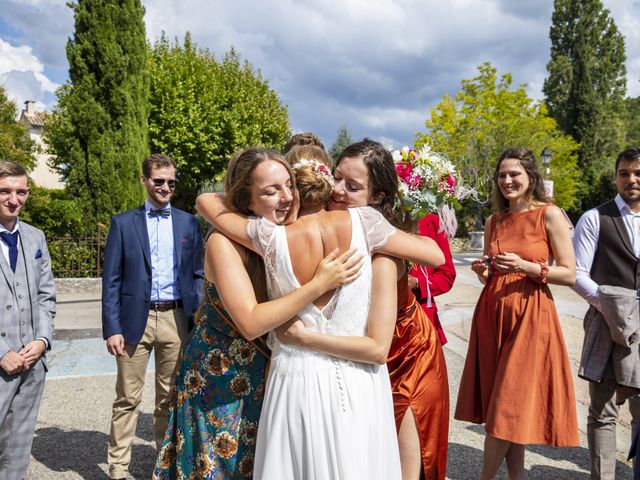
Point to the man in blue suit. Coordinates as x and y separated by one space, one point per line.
151 288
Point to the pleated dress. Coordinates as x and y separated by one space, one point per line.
517 379
419 381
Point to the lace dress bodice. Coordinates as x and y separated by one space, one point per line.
346 312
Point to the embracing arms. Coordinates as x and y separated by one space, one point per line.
225 267
374 346
417 249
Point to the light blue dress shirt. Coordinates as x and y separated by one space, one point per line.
164 265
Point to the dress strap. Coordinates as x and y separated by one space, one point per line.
259 343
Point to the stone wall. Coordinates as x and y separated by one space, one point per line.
78 285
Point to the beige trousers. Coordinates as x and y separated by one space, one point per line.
165 334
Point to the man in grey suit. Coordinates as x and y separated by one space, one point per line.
607 246
27 302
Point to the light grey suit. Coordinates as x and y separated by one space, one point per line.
27 308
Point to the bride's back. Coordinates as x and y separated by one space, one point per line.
312 237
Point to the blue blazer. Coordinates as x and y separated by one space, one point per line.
126 277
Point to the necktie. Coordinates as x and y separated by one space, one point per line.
159 212
11 239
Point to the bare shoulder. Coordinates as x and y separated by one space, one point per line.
218 244
554 214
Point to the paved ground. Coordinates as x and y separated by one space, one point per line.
71 435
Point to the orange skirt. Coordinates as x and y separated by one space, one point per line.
419 381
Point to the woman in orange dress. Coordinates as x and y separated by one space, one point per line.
365 174
517 379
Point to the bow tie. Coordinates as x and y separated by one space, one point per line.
159 212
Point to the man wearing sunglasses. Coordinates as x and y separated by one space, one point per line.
151 288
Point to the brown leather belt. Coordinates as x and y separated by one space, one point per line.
165 306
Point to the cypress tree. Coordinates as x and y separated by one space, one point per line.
342 141
585 89
98 132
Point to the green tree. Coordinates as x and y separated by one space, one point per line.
585 88
488 116
342 141
15 144
632 121
98 131
202 111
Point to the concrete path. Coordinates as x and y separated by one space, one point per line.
73 425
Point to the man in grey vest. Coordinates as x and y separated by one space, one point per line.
607 246
27 302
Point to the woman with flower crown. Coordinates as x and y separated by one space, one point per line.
366 174
328 402
219 386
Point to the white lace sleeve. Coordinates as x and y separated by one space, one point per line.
377 228
262 234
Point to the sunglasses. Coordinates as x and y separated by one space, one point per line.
158 182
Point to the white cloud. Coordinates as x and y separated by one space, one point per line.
22 75
376 65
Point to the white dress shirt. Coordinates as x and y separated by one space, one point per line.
585 243
3 246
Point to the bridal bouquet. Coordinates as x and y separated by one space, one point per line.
429 183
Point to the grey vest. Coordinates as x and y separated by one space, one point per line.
614 262
22 320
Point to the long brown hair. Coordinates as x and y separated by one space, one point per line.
384 180
535 193
237 186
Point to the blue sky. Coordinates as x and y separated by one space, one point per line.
377 66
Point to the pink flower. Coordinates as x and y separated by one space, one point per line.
413 181
451 181
404 170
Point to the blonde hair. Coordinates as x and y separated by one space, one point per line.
314 188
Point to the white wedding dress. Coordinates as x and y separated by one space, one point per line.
324 418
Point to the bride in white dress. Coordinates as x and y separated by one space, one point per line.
328 410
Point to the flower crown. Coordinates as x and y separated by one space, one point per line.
319 169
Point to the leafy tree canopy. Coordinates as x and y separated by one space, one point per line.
203 110
486 117
15 144
585 89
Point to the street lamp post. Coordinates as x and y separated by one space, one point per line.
545 156
546 159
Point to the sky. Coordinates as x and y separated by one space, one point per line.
376 66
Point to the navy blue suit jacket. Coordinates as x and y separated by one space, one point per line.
126 277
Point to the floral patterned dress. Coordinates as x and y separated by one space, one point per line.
216 401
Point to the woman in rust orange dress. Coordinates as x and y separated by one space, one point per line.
365 175
517 379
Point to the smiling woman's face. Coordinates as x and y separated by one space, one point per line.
271 191
352 185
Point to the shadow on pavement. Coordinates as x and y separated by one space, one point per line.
579 456
85 452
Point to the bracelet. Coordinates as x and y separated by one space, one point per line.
544 271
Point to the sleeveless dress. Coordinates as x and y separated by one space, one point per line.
322 417
419 380
216 401
517 377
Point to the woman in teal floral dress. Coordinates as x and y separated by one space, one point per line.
218 392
